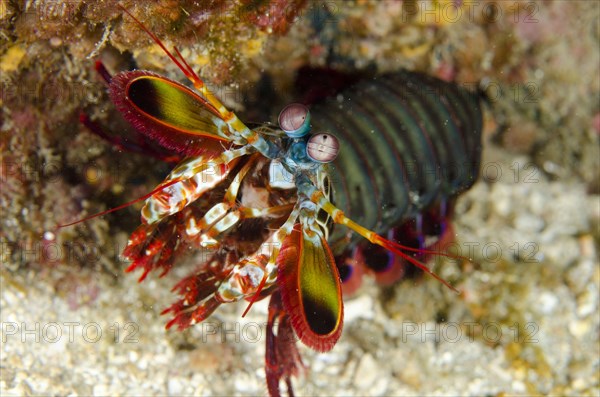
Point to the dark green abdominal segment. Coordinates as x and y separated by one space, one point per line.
406 140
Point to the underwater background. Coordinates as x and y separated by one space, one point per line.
74 323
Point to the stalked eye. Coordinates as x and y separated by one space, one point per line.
294 120
323 148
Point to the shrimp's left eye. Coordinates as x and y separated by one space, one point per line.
323 148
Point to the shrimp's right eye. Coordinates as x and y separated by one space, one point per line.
294 120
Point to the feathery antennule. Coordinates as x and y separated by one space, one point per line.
338 216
